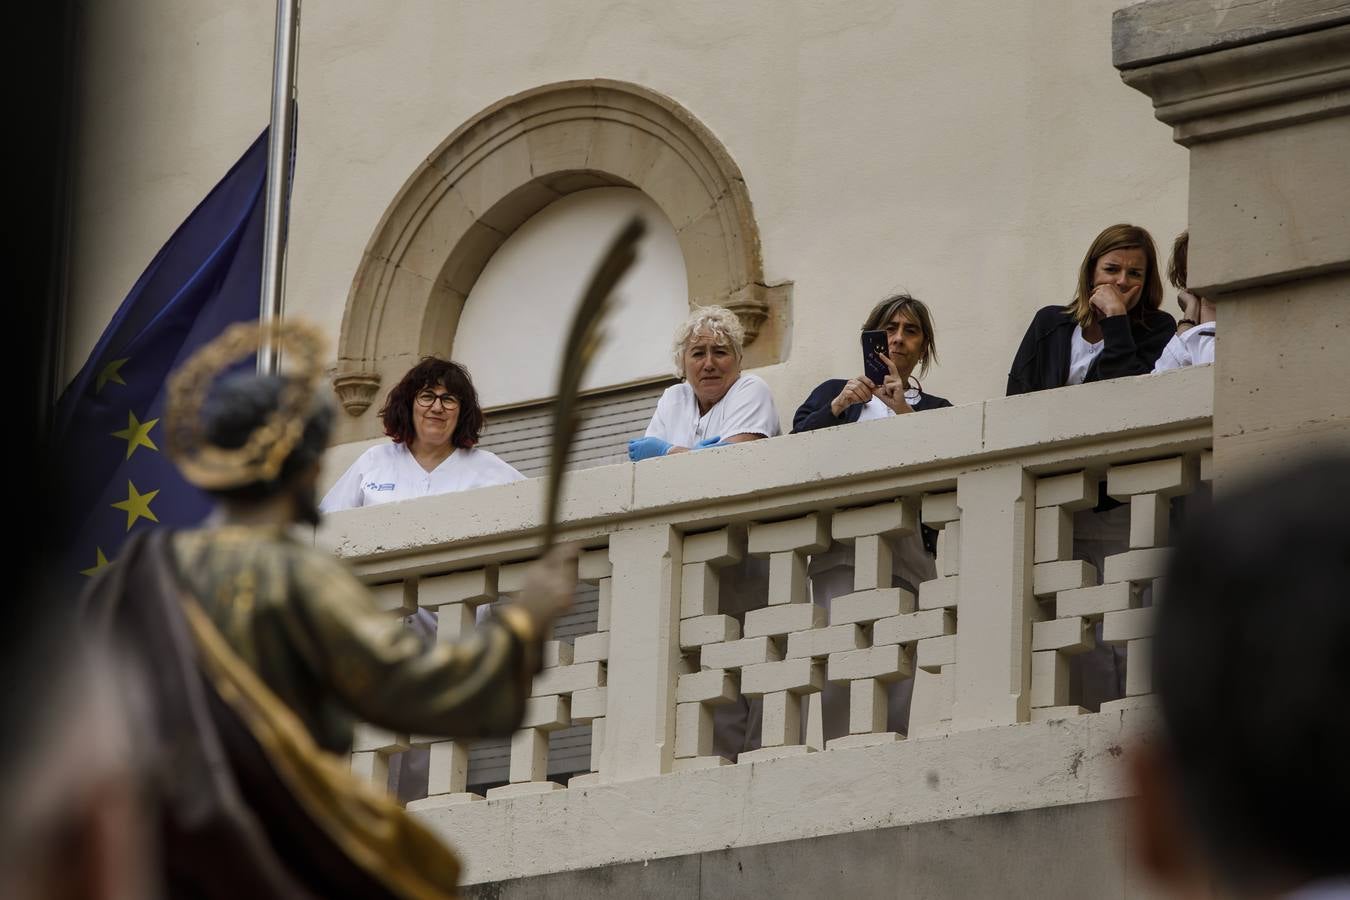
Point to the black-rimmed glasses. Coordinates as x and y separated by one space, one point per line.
427 398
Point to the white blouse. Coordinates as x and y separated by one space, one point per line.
1193 347
875 409
1082 355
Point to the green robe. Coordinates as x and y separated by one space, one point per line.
258 655
313 634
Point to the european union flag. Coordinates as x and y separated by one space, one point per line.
109 428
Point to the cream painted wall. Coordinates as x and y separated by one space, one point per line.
170 94
516 317
967 151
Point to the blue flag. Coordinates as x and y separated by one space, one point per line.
109 422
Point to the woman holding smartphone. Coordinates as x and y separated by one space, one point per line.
909 344
898 338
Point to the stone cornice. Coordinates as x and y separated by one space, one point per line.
1158 30
1249 88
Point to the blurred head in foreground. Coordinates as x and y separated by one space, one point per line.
1246 788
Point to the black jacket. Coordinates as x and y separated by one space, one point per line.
1132 347
815 412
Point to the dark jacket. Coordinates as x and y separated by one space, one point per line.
815 412
1133 345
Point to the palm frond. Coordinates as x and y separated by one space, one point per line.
583 342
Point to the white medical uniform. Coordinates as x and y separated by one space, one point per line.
747 408
389 472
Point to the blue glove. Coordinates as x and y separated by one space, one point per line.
708 442
647 448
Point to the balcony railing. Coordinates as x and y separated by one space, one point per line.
988 638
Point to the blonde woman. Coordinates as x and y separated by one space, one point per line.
716 403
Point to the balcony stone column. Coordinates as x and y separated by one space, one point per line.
1260 95
639 733
993 637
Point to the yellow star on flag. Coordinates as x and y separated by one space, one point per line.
136 434
137 505
111 372
99 562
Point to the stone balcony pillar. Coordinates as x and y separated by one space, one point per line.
639 738
993 641
1260 95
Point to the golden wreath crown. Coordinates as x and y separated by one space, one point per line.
262 455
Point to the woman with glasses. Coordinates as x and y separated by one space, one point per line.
433 420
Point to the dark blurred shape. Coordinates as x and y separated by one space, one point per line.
74 821
1252 671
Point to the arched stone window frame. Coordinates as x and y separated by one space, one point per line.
506 164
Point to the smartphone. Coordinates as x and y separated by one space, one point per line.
874 342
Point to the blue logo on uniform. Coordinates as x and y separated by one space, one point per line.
386 486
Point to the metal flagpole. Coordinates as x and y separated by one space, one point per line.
280 146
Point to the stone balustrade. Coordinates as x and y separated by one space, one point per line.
987 637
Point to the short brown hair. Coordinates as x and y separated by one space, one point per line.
1176 266
1118 237
911 308
431 371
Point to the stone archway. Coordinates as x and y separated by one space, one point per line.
511 161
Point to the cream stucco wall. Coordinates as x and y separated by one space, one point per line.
964 151
169 95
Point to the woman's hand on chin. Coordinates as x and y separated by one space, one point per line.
1108 300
